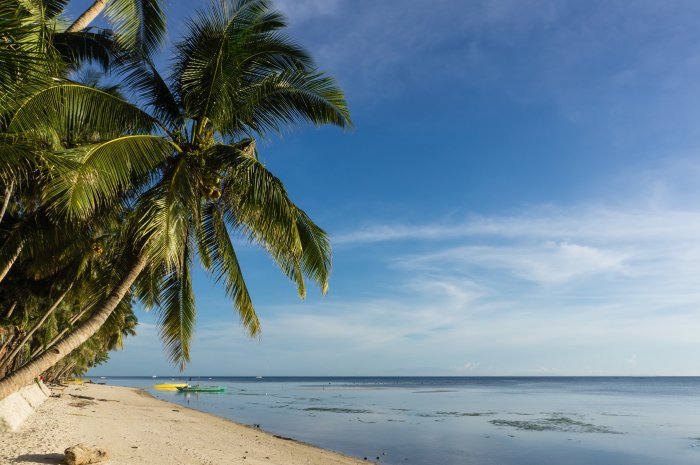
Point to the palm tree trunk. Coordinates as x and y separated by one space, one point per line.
88 16
65 370
6 200
60 335
26 374
11 310
31 332
4 349
10 262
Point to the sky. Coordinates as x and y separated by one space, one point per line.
519 196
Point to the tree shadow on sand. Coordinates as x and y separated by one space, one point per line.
40 458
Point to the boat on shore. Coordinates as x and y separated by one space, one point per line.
75 381
169 386
202 389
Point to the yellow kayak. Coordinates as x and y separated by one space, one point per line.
169 386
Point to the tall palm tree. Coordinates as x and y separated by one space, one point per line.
187 167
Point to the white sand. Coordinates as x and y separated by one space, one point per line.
138 429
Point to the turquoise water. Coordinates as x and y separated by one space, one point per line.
479 421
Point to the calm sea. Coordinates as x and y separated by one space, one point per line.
466 420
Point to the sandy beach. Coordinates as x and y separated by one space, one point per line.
137 429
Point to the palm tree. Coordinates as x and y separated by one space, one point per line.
138 24
187 166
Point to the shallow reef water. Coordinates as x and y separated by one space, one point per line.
470 420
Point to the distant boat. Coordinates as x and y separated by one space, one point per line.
258 377
103 377
202 389
154 376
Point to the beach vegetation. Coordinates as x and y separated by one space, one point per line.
112 192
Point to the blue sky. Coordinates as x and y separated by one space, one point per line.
518 197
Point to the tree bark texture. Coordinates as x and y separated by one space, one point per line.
88 16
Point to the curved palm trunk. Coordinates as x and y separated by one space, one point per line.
88 16
31 332
6 201
59 336
31 370
4 348
10 262
11 310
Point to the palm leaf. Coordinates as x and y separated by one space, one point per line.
215 244
138 24
284 99
177 313
316 250
224 43
255 202
165 213
85 47
28 60
102 171
61 110
149 87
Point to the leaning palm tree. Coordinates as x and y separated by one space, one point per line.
186 166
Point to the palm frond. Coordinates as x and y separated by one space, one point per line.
316 250
138 24
215 244
45 9
165 214
177 313
84 47
149 286
100 172
284 99
62 110
28 60
223 45
255 202
141 77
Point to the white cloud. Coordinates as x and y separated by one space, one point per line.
588 223
547 291
586 291
547 263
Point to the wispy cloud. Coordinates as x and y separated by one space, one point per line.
590 223
547 263
546 291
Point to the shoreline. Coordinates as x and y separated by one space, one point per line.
137 428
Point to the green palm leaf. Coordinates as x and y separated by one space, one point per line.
284 99
86 47
138 24
177 313
224 44
255 202
215 244
28 60
165 214
57 113
102 171
316 250
144 80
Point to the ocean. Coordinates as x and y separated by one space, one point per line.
465 420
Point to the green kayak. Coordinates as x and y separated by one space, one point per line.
201 389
